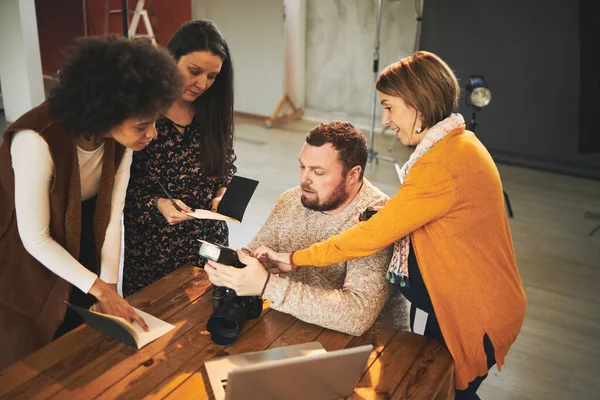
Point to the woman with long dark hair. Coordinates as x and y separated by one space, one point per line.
192 159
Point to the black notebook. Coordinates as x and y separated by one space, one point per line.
123 330
234 202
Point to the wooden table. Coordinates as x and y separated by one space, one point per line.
85 364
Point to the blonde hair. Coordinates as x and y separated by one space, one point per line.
425 82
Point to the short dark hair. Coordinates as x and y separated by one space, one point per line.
214 108
425 82
348 140
107 80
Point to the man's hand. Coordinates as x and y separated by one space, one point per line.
266 255
248 281
109 302
168 210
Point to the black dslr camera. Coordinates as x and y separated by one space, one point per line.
230 311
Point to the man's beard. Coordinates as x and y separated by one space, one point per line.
337 198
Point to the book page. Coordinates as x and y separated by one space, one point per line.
158 327
121 321
206 214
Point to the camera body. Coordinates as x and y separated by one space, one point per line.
221 254
230 311
367 214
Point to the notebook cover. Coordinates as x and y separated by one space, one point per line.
105 325
236 197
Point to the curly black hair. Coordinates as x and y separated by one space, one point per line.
107 80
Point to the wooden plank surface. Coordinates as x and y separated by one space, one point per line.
190 368
50 369
379 335
87 364
111 368
385 373
265 331
427 374
165 365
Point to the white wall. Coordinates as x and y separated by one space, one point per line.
295 50
339 53
20 62
255 35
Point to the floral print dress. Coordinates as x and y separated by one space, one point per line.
153 248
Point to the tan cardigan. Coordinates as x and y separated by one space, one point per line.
31 296
452 204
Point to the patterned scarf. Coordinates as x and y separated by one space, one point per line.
398 268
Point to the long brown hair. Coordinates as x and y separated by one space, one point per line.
214 108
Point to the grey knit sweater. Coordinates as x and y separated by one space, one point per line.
346 297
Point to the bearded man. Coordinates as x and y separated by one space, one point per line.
346 297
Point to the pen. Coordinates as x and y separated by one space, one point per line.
169 195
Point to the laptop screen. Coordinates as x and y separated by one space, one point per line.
308 371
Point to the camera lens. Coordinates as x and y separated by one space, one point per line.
226 323
223 333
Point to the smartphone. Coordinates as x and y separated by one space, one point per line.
221 254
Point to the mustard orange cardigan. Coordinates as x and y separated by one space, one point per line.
452 205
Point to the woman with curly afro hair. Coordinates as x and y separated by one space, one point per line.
192 157
64 170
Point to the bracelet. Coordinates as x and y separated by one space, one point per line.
265 287
293 266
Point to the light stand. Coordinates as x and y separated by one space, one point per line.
478 95
373 156
419 5
473 123
125 16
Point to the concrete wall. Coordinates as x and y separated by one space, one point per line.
20 64
339 52
255 35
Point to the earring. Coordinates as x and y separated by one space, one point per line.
419 130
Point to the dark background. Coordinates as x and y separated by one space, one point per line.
535 55
61 21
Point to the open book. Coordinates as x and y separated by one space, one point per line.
234 201
123 330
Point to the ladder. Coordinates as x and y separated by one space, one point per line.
135 21
138 13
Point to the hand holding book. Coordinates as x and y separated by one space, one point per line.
229 204
233 203
121 329
109 302
214 204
